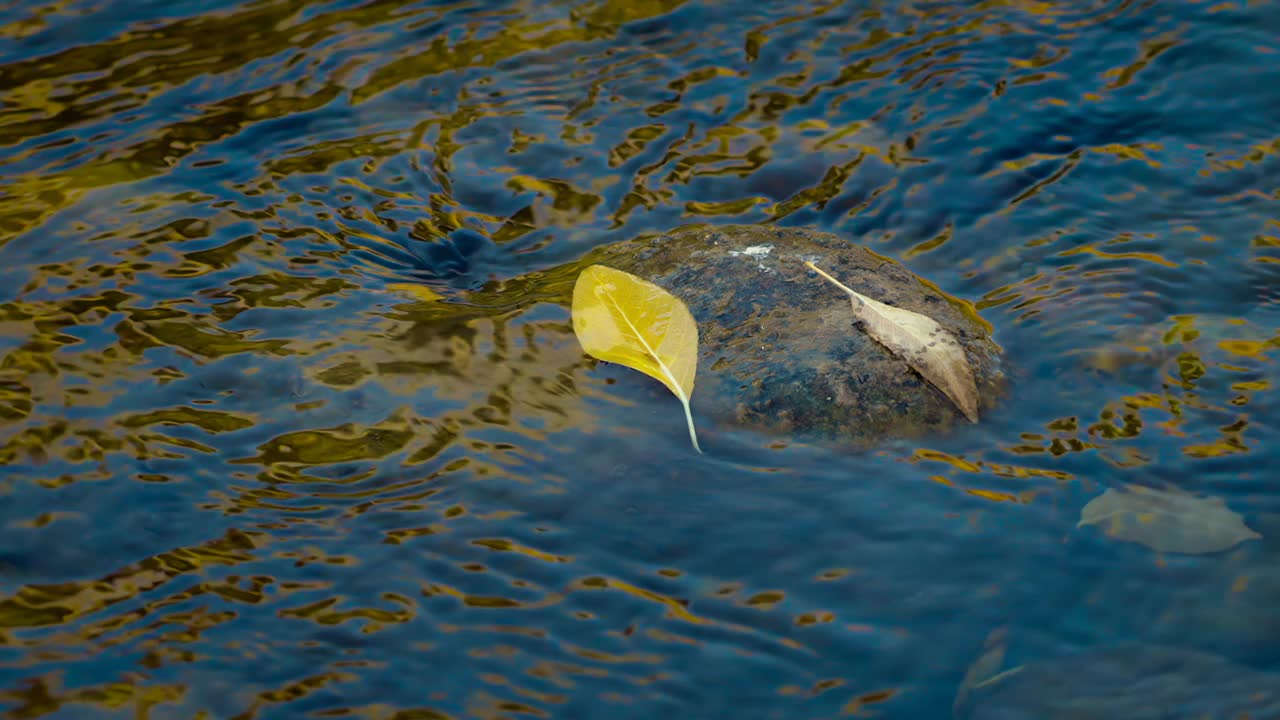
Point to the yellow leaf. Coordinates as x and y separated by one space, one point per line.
621 318
926 346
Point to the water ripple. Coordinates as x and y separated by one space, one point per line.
293 420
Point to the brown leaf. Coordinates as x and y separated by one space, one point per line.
926 346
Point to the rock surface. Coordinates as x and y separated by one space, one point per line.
779 348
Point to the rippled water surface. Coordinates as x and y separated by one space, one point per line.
294 424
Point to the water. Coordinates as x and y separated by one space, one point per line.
251 472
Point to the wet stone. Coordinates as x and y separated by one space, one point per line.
780 350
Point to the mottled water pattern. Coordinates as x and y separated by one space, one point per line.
289 431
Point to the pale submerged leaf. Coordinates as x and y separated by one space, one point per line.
624 319
1167 520
927 347
985 670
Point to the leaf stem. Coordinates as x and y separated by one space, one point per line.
693 436
823 273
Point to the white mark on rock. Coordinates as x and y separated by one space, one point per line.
756 252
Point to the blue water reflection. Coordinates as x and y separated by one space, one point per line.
294 424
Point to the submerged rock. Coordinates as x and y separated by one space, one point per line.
1184 347
780 351
1135 682
1228 607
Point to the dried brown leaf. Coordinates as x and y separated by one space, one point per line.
927 347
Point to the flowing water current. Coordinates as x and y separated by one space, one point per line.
291 426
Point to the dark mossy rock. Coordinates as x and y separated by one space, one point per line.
1134 682
779 348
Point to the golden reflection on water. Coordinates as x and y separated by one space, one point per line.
920 57
217 225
